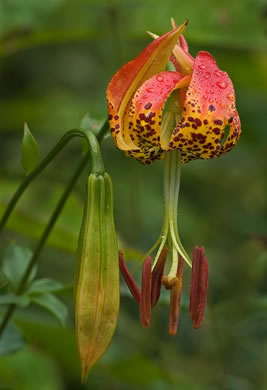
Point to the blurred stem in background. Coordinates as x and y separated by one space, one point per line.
91 153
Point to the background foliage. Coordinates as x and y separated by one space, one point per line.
56 58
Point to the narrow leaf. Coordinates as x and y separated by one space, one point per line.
21 300
52 304
44 285
15 262
30 153
11 340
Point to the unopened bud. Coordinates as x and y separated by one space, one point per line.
97 274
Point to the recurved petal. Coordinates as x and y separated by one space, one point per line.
153 59
145 113
209 112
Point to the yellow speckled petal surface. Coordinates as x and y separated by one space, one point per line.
209 109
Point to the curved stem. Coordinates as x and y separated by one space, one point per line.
44 237
96 162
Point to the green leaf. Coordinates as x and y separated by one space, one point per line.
19 300
11 340
16 260
3 280
30 153
52 304
44 285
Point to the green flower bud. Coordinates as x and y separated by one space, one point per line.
97 274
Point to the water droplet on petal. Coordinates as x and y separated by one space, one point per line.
218 73
202 67
222 105
207 75
221 84
150 90
211 100
230 96
205 97
159 78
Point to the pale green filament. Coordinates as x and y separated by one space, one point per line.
172 173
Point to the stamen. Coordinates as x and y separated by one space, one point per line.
199 286
157 273
129 279
175 299
145 300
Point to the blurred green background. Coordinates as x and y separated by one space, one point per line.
56 58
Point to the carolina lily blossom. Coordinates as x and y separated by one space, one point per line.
177 115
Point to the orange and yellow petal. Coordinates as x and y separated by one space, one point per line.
152 60
209 111
143 121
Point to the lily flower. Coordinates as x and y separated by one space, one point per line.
199 113
184 113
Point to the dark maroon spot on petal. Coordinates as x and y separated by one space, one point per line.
216 130
198 122
116 117
148 106
211 107
142 116
110 117
218 122
205 121
191 119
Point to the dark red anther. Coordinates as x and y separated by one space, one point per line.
129 279
145 301
199 286
175 299
157 274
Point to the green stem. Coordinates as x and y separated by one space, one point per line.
96 162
